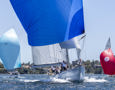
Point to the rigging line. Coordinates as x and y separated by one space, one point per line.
82 37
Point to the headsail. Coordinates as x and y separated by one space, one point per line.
74 45
50 21
10 50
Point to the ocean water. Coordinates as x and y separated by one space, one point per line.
45 82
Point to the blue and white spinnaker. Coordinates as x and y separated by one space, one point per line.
10 50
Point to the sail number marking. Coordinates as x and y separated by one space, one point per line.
106 59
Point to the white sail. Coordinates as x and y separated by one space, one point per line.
108 44
72 43
73 47
56 53
72 55
49 54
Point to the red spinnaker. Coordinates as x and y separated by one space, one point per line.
107 60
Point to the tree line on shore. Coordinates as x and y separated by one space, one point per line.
91 66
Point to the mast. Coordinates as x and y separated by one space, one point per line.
67 58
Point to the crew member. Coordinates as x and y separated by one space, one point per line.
63 66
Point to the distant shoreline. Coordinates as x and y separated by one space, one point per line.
91 67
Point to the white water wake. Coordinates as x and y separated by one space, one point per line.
46 80
56 80
28 81
92 79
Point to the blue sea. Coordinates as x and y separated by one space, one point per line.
45 82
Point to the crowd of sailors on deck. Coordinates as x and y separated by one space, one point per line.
63 67
59 69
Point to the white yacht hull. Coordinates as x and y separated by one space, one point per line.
75 74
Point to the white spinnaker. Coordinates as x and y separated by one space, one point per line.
46 54
108 44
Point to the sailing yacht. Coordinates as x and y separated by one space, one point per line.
107 59
48 23
10 51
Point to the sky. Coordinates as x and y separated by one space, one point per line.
99 18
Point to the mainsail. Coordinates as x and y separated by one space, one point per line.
50 54
10 50
108 44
